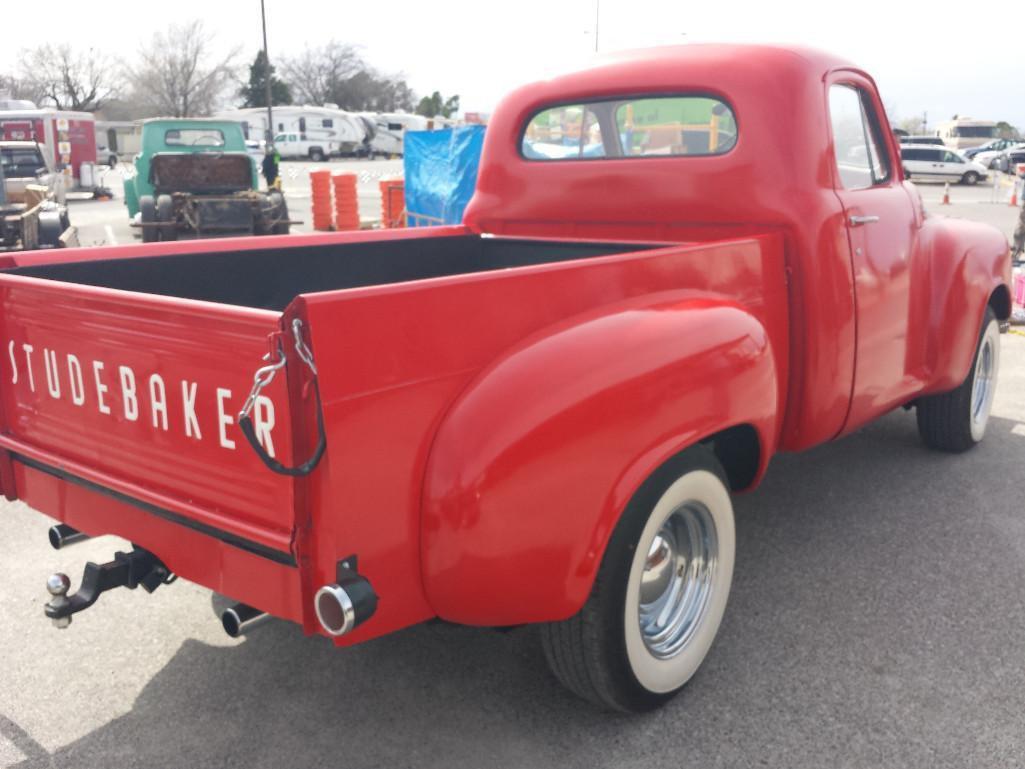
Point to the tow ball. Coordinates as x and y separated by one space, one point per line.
139 567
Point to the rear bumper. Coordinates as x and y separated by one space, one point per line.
258 573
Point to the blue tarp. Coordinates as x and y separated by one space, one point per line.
440 173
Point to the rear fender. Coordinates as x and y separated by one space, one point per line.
968 262
537 459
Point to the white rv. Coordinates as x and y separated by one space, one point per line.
315 133
965 133
389 128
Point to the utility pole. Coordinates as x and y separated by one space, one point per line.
270 115
597 8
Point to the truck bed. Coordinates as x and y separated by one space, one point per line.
270 278
124 377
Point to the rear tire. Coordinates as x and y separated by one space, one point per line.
148 215
956 421
50 229
165 215
316 155
659 596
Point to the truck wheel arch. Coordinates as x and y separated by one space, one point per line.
966 279
519 505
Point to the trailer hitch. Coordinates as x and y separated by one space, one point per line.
139 567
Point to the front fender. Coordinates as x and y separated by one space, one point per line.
536 460
968 261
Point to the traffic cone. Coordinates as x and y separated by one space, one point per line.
1014 195
346 201
320 181
946 194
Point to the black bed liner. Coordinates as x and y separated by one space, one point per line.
270 278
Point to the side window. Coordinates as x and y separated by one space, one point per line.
950 157
860 153
327 123
933 156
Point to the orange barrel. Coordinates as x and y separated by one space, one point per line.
320 182
393 203
346 202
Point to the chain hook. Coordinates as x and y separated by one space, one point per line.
300 346
263 377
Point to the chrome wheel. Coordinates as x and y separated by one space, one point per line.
987 364
677 580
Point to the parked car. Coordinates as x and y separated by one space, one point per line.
196 176
943 165
1009 161
26 222
988 158
997 145
294 146
922 140
25 163
537 416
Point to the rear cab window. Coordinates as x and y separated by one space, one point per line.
657 126
193 137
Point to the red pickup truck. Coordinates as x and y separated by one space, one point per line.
676 264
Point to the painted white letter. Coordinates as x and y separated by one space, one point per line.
158 400
75 378
189 407
28 364
128 393
100 387
263 422
14 363
53 382
223 420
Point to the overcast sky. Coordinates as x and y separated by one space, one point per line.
924 58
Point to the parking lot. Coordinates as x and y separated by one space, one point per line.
877 619
106 222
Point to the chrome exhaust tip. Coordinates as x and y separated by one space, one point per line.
239 619
343 606
335 611
63 535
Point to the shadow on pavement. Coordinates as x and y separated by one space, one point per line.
876 619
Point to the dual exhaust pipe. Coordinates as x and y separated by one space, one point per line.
340 607
62 536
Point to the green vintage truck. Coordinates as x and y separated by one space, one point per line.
195 176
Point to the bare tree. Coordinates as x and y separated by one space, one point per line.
59 75
178 74
14 87
315 74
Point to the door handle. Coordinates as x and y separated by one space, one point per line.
856 220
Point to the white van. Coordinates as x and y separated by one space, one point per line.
923 162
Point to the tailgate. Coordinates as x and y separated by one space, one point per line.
138 395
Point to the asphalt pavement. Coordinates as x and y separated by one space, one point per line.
877 620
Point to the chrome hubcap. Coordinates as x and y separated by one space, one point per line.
677 580
982 387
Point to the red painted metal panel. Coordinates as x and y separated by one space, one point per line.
139 393
392 360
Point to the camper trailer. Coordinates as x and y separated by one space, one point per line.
965 133
315 133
